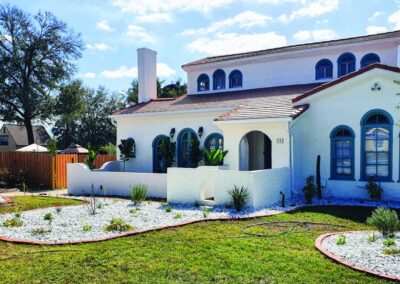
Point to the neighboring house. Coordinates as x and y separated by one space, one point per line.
13 137
282 107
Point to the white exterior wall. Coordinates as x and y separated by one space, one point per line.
191 185
295 67
345 104
80 181
145 128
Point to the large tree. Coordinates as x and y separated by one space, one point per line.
35 57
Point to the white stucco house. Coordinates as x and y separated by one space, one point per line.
276 111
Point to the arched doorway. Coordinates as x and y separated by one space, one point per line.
255 152
187 141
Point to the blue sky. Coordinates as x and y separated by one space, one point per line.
185 30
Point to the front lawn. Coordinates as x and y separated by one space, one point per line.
203 252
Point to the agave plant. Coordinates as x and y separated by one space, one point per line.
214 157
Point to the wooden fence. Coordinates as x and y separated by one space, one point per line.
43 169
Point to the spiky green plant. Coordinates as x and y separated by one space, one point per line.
239 197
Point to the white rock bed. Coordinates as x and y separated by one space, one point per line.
357 250
67 226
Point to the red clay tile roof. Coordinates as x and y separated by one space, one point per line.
273 102
345 78
357 39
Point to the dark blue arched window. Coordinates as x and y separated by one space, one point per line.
324 69
214 141
376 147
342 153
235 79
159 163
203 83
219 80
369 58
346 64
186 138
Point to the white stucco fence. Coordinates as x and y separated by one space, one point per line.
80 180
191 185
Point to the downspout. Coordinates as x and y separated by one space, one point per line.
291 160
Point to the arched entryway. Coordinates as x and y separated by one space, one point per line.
255 152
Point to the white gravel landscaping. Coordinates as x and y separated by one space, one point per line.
367 255
67 225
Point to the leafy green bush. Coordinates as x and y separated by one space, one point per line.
168 209
214 157
239 197
310 189
178 216
86 228
390 242
374 190
341 240
384 220
89 161
206 211
48 217
118 225
13 222
391 251
138 193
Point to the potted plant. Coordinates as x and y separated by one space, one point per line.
214 157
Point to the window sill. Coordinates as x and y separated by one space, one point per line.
342 179
382 180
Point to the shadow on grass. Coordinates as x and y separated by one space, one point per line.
354 213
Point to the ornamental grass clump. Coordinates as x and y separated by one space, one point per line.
13 222
341 240
48 217
118 225
385 221
239 197
138 193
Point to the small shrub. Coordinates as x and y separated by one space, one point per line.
48 217
13 222
341 240
310 189
389 242
168 209
391 251
86 228
374 190
17 213
118 225
239 197
206 211
40 231
58 209
372 238
385 221
178 216
99 205
138 193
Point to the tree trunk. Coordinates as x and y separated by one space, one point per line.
29 131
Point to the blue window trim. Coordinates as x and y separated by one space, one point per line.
230 77
333 138
201 76
365 57
362 140
179 140
340 58
216 72
207 141
318 65
154 145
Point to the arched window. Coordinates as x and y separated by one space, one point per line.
376 145
346 64
235 79
369 59
159 162
187 140
324 69
219 80
203 83
214 141
342 153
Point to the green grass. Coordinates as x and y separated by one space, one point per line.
198 253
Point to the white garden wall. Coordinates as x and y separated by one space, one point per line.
80 180
191 185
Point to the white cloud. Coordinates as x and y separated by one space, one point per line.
103 25
310 9
375 30
394 19
247 19
138 34
224 43
88 75
155 18
163 70
375 15
99 46
315 35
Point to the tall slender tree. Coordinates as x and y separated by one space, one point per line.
35 57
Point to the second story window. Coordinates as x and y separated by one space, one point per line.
369 59
235 79
203 83
219 80
324 69
3 140
346 64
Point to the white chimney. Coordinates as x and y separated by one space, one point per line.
147 74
